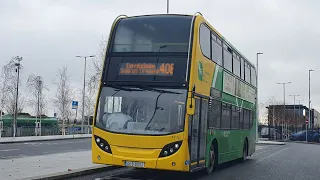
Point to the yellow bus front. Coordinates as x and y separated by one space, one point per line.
140 118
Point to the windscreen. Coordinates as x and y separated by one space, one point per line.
139 111
163 33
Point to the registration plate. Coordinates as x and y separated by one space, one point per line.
134 164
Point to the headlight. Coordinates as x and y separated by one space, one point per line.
103 144
170 149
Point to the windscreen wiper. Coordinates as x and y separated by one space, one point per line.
123 88
145 87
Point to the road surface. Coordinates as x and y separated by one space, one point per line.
293 161
16 150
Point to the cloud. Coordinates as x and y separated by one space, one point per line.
49 34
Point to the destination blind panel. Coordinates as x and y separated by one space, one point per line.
156 69
164 69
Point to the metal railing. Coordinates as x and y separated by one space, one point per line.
45 131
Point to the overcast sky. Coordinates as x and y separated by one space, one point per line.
50 33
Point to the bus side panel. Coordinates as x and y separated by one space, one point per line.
252 143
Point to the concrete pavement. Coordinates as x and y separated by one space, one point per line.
26 167
42 138
41 158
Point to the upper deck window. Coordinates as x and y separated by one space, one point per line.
205 40
165 33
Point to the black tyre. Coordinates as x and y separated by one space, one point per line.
212 159
244 152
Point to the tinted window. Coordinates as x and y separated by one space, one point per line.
203 128
205 40
247 72
227 58
253 77
226 116
242 68
216 52
153 34
134 112
246 117
235 118
236 65
214 113
241 119
252 116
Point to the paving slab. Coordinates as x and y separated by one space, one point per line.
26 167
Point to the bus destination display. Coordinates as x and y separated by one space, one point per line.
157 69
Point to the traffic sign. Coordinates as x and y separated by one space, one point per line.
74 104
307 121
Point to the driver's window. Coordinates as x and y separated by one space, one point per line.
112 104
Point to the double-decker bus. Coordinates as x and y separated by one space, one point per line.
174 95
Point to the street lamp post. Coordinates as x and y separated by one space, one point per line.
284 105
84 88
310 121
294 108
39 87
257 104
19 59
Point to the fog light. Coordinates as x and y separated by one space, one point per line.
98 140
173 164
171 150
176 146
165 153
99 157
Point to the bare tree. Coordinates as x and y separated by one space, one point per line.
90 98
63 96
92 84
8 81
96 67
37 97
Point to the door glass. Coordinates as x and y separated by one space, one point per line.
195 132
203 123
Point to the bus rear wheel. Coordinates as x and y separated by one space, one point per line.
212 159
245 152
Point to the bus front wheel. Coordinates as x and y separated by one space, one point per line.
213 154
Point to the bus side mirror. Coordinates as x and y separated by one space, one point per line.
190 106
191 102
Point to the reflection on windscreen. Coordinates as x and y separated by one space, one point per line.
141 112
168 33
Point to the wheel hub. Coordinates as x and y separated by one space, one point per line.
212 156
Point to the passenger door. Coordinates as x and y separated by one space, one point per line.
198 134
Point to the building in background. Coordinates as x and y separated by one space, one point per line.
290 119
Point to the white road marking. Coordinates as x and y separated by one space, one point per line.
7 150
53 143
272 154
260 147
